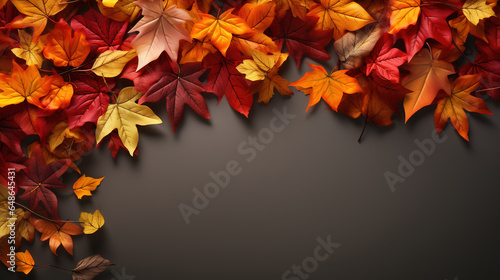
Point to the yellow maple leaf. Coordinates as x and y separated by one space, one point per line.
91 222
36 14
84 185
28 50
124 116
110 63
341 16
475 10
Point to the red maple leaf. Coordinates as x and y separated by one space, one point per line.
102 33
38 178
225 79
489 69
384 60
89 101
300 37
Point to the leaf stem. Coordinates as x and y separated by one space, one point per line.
43 217
363 131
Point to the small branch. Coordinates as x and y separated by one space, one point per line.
106 83
487 89
43 217
363 131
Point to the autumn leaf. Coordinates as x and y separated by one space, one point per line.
84 185
23 228
57 233
179 88
36 13
340 15
24 262
489 69
159 30
124 116
225 80
403 14
263 71
23 85
300 37
90 267
220 29
65 47
90 99
331 87
110 63
59 96
384 60
353 47
427 76
123 10
28 50
101 33
298 8
451 107
91 222
38 178
476 10
377 103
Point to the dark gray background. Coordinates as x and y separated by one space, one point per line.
313 180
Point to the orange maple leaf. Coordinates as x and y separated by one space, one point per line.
451 107
65 49
331 87
23 85
220 29
57 233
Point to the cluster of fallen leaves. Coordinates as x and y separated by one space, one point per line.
74 74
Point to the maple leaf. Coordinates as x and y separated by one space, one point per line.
377 103
427 76
89 101
220 29
65 48
11 134
37 12
38 178
23 228
341 16
123 10
59 96
89 268
225 80
300 37
403 14
159 30
475 10
84 185
452 106
298 8
24 262
353 47
101 33
384 60
30 51
431 24
489 69
331 87
263 71
91 222
23 85
178 88
124 116
110 63
57 233
491 35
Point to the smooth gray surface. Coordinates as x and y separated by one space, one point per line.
313 180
